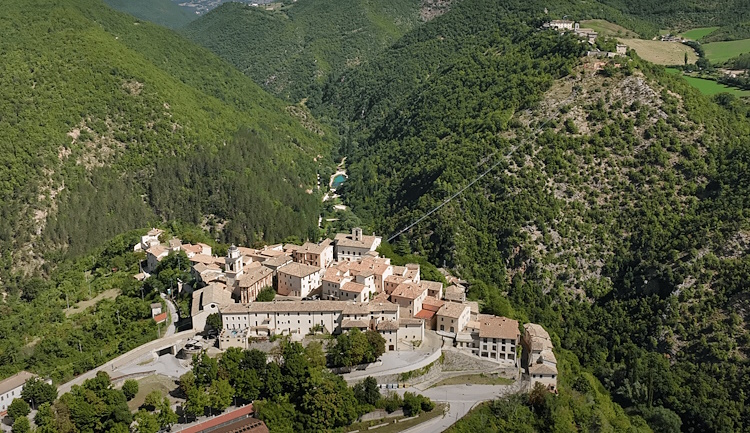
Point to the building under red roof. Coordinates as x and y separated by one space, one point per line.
237 421
160 318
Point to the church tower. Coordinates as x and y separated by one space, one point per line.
233 268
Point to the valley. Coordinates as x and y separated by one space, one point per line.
536 161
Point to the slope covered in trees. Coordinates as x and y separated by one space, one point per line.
614 211
100 109
293 50
684 13
163 12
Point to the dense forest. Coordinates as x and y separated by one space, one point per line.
291 51
93 99
611 214
685 13
163 12
612 206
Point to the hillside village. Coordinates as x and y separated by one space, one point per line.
341 284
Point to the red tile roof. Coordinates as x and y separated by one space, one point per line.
221 419
160 317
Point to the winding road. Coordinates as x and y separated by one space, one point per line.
461 398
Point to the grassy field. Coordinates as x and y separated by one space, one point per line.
718 52
661 53
606 28
474 379
77 308
710 87
698 33
154 382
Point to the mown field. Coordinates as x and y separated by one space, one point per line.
661 53
718 52
710 87
698 33
606 28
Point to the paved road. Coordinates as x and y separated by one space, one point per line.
461 398
173 314
165 365
127 358
402 360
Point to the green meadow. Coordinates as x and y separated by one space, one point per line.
698 33
710 87
718 52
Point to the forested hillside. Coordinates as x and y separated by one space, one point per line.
291 51
109 122
685 13
163 12
614 211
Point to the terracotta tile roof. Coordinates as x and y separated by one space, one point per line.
191 249
15 381
377 266
309 247
233 308
355 308
334 275
399 270
387 325
347 240
452 310
297 306
425 314
353 287
455 290
542 369
380 297
299 270
216 293
277 261
497 327
254 275
408 291
159 318
377 305
349 323
157 250
155 232
202 258
536 337
408 321
432 304
431 285
217 424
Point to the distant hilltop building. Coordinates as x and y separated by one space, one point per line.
561 25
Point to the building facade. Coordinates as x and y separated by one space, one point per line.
11 388
298 279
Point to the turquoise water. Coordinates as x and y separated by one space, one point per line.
338 180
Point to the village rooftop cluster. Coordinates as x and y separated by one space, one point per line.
341 284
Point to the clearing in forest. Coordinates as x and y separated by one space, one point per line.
661 53
77 308
698 33
606 28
